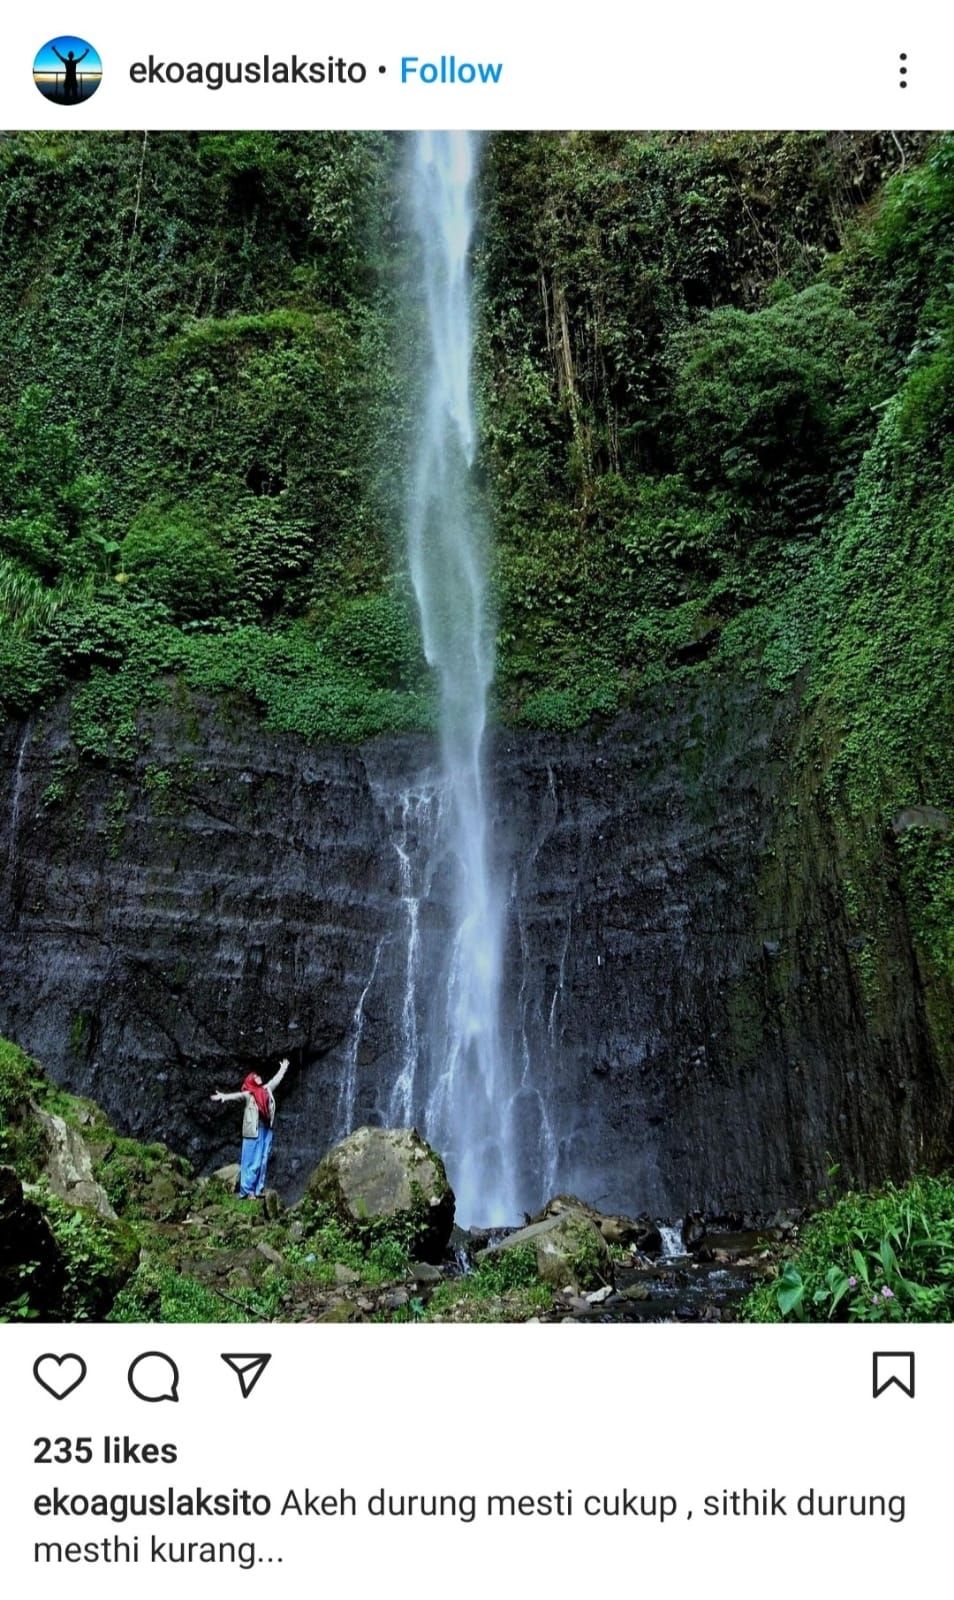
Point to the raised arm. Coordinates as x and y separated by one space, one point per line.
57 54
282 1069
84 55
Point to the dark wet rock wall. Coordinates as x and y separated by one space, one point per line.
683 991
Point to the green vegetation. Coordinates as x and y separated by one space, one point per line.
187 1250
716 384
160 1293
684 346
201 432
98 1254
716 378
141 1180
22 1139
503 1287
885 1257
374 1252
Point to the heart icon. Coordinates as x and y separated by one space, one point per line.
59 1375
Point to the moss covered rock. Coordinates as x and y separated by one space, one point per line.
642 1231
569 1248
68 1168
387 1181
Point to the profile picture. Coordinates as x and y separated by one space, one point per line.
67 70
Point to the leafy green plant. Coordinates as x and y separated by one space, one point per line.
159 1293
505 1270
19 1310
23 1142
171 553
375 1251
503 1286
99 1256
885 1257
772 405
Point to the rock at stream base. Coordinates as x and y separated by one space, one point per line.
388 1178
693 1230
424 1273
570 1251
641 1232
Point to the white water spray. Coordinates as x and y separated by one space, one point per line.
18 777
673 1247
468 1088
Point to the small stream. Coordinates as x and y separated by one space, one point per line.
684 1290
706 1285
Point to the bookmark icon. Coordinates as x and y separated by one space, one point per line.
892 1368
248 1369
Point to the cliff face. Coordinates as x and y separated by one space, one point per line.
683 989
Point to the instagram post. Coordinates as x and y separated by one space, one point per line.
544 916
476 807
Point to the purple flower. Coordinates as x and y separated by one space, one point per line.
874 1299
888 1293
852 1283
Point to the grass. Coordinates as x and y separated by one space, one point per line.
504 1287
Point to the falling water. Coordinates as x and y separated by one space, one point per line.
672 1241
18 776
468 1089
348 1088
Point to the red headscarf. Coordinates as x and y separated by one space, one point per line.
254 1086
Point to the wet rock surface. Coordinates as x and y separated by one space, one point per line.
688 1001
388 1176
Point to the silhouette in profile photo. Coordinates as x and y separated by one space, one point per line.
67 70
70 62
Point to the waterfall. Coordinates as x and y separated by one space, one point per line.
466 1094
673 1247
348 1089
18 775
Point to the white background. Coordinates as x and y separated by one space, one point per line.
679 1410
599 65
684 1410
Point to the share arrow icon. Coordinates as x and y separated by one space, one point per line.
248 1370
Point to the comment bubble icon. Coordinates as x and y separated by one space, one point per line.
154 1376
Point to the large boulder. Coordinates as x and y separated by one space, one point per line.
570 1251
69 1165
388 1181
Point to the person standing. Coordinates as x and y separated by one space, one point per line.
71 83
258 1123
